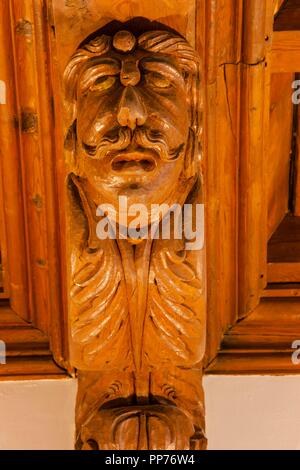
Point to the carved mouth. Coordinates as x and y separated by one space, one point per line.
133 162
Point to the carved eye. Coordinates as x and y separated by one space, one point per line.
156 80
103 83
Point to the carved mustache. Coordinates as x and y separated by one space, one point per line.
143 138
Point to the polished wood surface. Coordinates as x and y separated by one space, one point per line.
284 252
48 210
261 343
296 195
284 245
288 16
285 55
137 308
28 187
280 148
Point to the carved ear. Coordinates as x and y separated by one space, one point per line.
70 139
195 102
70 83
191 155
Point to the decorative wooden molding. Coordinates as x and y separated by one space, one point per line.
262 342
29 195
237 78
27 350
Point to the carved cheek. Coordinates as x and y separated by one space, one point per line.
168 117
96 116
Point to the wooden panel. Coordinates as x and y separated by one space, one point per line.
261 343
284 252
285 55
254 144
279 154
31 368
236 129
284 245
10 173
221 149
296 195
284 272
29 175
4 275
282 290
28 355
288 18
262 362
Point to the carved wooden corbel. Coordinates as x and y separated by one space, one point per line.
136 305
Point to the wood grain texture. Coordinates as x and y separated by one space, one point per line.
136 322
136 308
84 17
284 245
277 4
288 16
262 343
4 272
296 195
10 174
280 147
28 354
285 55
288 289
284 252
28 176
221 149
254 144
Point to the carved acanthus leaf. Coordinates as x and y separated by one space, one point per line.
175 309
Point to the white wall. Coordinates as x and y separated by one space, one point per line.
37 414
244 412
253 412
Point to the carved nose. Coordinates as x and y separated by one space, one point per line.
132 112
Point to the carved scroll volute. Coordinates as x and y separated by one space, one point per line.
137 304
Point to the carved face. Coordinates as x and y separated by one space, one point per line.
133 120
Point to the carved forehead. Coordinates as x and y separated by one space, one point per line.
154 43
166 45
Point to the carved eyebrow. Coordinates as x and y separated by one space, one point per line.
161 66
99 67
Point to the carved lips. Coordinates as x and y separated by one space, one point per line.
133 162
